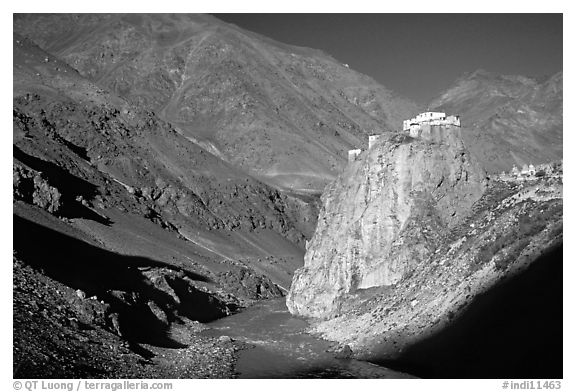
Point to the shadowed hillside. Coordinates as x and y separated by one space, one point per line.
513 330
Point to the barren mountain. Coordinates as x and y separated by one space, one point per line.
147 227
283 113
507 120
166 173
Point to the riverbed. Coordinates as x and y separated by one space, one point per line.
281 348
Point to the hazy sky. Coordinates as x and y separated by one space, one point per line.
420 55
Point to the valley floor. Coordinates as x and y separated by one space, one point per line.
262 341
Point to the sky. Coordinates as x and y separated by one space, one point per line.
420 55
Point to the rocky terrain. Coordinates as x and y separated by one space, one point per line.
142 150
147 227
508 120
167 172
283 113
410 241
383 215
60 333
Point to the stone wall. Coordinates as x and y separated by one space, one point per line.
436 133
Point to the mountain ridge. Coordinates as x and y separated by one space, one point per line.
507 120
284 114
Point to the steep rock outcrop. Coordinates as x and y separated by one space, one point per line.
494 281
383 215
31 186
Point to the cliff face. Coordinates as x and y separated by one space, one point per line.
494 281
419 263
383 216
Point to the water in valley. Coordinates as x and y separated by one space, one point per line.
282 348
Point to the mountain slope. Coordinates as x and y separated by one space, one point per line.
284 113
135 225
92 136
507 120
415 255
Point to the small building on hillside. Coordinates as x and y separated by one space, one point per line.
531 172
353 154
372 140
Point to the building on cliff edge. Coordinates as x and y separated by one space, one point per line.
372 140
424 120
427 125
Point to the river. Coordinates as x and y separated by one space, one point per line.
282 348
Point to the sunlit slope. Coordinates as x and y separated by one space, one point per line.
286 113
508 120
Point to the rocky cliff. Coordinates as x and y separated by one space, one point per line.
383 217
419 263
486 303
